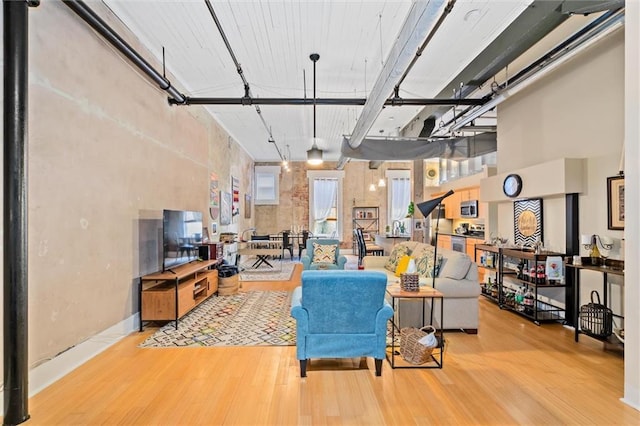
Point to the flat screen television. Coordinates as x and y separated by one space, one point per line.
182 235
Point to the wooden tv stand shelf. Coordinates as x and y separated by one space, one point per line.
170 295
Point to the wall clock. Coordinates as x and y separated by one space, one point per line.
512 185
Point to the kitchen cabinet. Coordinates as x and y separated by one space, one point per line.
444 241
452 206
452 202
470 194
471 246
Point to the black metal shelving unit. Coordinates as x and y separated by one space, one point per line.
480 257
533 308
366 218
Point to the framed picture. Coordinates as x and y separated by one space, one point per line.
527 221
247 206
214 197
214 228
615 202
235 188
225 208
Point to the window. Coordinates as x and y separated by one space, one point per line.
399 199
325 203
267 188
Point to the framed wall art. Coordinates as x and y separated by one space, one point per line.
214 197
615 202
527 221
225 208
247 206
235 188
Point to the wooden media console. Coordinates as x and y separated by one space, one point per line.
170 295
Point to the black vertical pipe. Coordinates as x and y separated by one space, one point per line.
572 244
16 366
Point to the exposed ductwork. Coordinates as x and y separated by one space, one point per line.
404 149
422 22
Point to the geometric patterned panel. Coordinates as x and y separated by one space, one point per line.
527 221
253 318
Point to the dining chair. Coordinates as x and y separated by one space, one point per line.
287 244
302 244
364 250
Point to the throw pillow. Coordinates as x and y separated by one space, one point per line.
397 252
456 266
403 263
424 264
324 253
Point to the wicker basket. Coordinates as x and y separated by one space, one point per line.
411 349
409 282
596 319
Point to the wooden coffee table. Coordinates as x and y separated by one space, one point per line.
396 293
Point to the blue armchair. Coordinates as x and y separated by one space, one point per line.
337 262
341 314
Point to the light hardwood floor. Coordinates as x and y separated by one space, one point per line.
511 372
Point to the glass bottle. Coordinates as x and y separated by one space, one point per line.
594 254
528 302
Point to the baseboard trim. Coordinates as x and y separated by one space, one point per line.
49 372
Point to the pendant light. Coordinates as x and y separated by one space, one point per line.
382 183
314 155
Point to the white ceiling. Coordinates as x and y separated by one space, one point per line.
272 41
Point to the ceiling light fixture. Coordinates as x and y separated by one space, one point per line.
314 155
382 183
287 159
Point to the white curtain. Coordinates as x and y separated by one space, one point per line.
400 197
324 195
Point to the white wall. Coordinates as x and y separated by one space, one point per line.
632 207
106 154
579 111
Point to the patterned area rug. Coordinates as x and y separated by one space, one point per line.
254 318
281 271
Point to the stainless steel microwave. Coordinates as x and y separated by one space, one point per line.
469 209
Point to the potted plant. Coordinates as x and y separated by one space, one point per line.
410 209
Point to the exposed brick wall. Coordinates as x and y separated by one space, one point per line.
293 209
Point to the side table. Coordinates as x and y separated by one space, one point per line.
396 293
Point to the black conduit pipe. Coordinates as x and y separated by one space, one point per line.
15 224
328 101
90 17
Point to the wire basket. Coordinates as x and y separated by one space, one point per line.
411 349
410 281
596 319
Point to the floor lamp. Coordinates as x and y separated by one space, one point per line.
426 207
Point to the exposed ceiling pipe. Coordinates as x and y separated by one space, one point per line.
539 19
90 17
422 47
585 37
248 100
422 21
